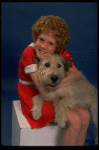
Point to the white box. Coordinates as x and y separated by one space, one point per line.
24 135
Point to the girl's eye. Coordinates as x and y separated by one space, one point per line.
41 39
51 43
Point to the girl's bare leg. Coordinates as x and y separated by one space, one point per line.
72 131
78 121
85 118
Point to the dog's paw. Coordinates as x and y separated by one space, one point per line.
37 107
36 114
61 123
61 119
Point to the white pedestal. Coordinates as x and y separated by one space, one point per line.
24 135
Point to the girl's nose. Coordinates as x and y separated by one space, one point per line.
43 45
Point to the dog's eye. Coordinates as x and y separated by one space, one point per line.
58 65
47 65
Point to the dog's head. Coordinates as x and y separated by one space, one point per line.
51 70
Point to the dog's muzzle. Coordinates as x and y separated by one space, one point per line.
54 79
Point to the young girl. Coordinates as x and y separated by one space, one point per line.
50 35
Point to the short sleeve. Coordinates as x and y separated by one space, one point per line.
27 62
67 55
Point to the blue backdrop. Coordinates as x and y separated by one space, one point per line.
16 21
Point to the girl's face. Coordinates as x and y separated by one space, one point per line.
45 45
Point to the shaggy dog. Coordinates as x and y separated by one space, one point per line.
50 72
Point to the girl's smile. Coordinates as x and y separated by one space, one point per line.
45 45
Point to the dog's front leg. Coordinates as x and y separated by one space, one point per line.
60 109
60 115
37 107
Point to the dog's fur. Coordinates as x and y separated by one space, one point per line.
51 71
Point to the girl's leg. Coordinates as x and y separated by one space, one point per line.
85 118
74 125
78 121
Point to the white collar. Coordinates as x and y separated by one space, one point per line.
32 45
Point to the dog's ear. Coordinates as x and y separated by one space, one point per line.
36 59
66 63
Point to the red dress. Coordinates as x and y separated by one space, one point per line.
26 92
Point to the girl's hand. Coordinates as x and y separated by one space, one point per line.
72 75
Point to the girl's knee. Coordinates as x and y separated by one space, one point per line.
85 115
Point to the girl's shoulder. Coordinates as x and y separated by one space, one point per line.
64 53
29 50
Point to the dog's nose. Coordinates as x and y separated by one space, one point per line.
54 78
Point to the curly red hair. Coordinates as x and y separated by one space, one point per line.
54 25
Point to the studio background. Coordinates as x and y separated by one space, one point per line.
17 19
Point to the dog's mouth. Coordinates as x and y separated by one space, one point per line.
52 85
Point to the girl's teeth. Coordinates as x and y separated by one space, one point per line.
42 51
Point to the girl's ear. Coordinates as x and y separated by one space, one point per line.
66 63
36 59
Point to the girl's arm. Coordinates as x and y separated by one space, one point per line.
72 75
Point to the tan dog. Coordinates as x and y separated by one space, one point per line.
51 71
